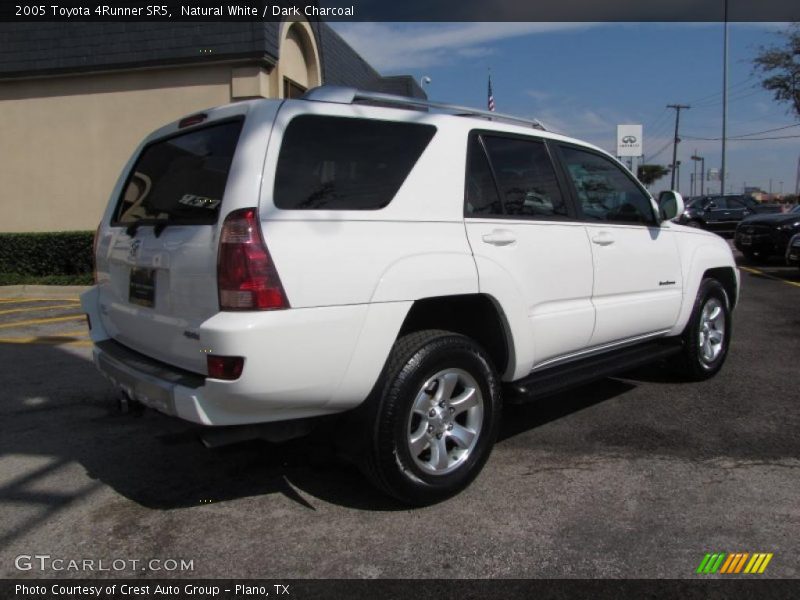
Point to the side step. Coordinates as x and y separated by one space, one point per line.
578 372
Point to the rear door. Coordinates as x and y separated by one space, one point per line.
716 214
734 213
157 256
528 243
637 269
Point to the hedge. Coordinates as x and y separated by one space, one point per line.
57 258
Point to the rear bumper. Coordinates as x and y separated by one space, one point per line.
299 363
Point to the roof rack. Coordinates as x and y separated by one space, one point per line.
347 95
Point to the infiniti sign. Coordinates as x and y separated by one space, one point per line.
629 140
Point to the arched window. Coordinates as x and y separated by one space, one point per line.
298 60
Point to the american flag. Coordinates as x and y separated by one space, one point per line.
491 95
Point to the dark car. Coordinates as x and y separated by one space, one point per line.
722 213
761 236
793 251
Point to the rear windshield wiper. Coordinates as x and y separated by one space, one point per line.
132 228
159 227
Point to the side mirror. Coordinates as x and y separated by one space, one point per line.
670 205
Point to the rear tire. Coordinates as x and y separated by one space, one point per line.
435 418
707 336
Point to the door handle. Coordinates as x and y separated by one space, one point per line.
602 239
499 237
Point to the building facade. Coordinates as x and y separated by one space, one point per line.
77 98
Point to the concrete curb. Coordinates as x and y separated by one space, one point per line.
42 291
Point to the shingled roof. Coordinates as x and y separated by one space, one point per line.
41 49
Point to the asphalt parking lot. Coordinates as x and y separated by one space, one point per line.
637 476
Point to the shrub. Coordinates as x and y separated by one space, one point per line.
57 258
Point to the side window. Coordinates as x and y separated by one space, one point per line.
735 204
337 163
604 191
481 193
719 203
526 177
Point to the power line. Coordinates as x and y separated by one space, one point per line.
653 156
703 99
748 139
765 131
736 99
745 135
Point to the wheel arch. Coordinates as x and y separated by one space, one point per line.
477 316
727 277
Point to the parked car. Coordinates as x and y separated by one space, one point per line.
722 214
793 251
761 236
399 272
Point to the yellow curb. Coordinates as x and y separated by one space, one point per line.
35 308
37 321
768 276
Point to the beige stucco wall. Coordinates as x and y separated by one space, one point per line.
64 140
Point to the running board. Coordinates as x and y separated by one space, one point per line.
578 372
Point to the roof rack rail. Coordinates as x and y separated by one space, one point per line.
347 95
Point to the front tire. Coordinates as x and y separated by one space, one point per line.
437 413
707 336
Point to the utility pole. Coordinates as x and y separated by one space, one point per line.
797 181
724 101
694 177
675 141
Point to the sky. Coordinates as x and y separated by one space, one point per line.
583 79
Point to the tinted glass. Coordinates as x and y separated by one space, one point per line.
481 193
336 163
604 191
526 177
180 179
735 203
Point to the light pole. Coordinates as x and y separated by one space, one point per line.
724 100
702 160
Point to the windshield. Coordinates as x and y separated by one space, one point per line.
180 179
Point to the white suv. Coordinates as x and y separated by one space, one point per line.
403 264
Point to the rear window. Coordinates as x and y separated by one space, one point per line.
180 179
337 163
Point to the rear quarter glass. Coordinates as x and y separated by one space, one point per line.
341 163
180 179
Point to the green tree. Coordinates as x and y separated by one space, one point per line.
780 68
649 174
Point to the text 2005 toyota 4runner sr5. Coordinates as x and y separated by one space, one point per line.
403 264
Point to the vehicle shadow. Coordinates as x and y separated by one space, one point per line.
70 417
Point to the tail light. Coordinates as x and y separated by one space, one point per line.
225 367
246 276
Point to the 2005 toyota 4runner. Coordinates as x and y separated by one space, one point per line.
406 265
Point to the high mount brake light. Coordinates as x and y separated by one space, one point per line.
192 120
